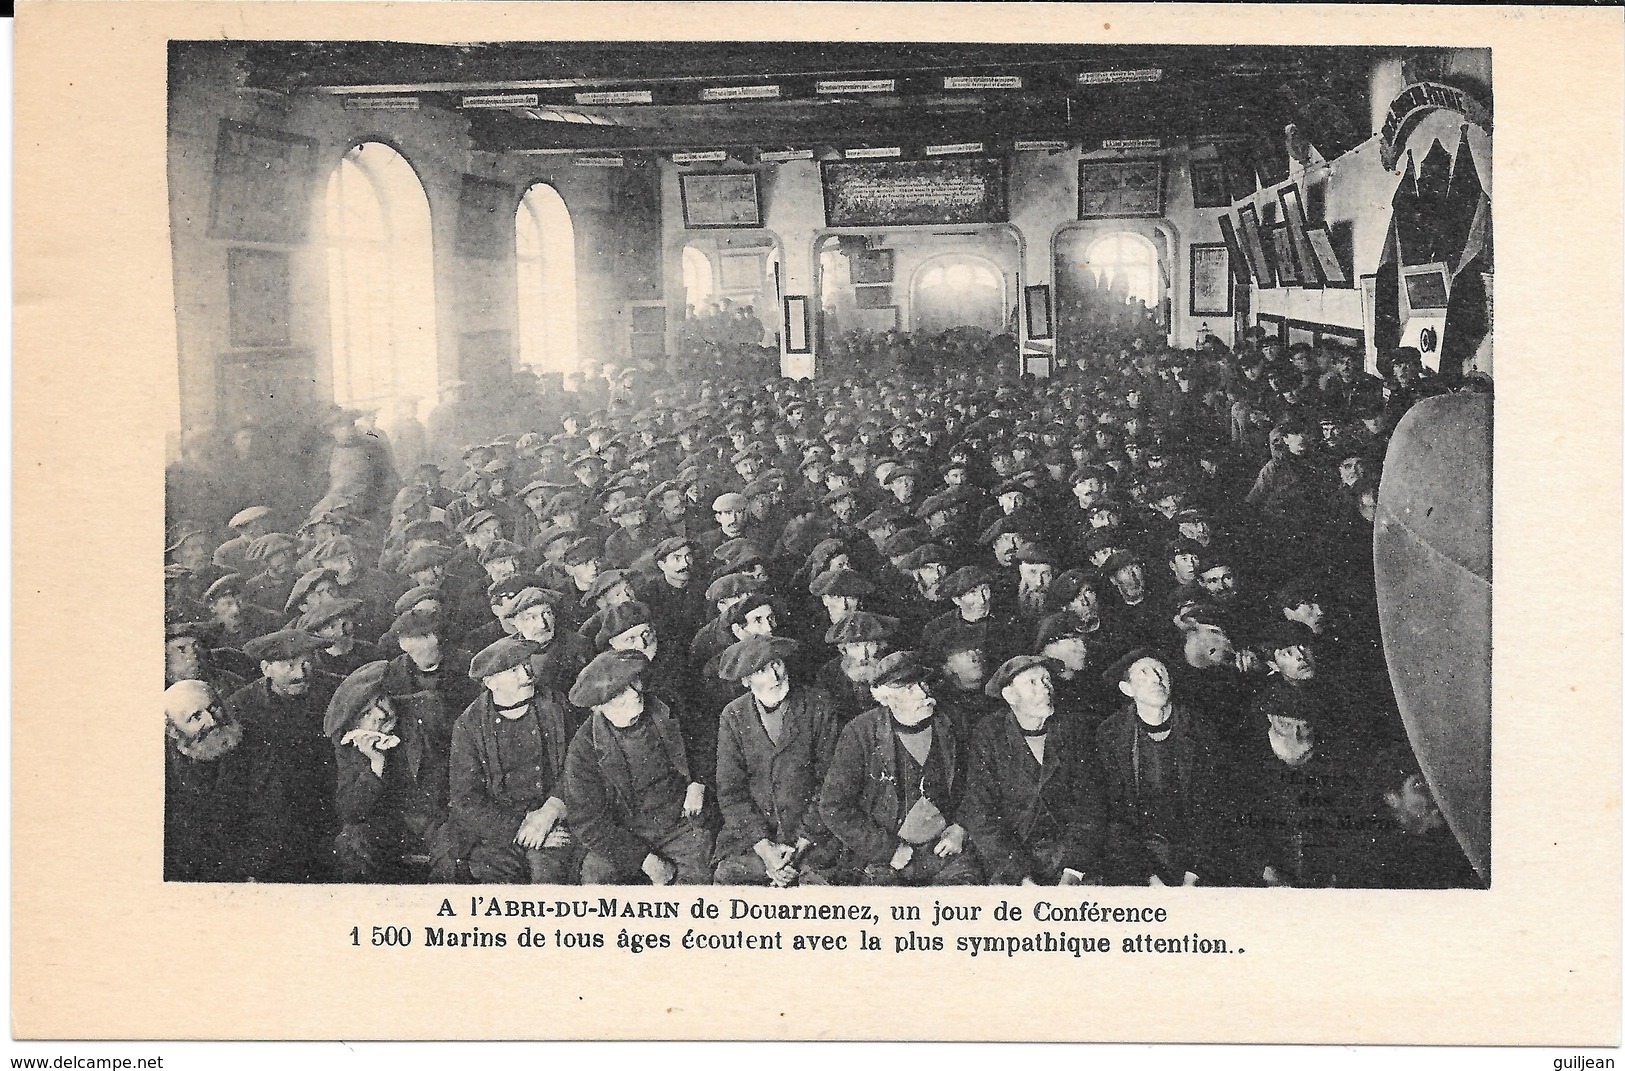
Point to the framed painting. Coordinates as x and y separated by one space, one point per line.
1296 227
1120 189
1208 186
1282 258
1040 317
1210 279
1327 261
1252 243
720 199
797 327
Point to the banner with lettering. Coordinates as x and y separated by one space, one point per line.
897 193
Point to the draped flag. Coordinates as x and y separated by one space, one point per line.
1461 205
1410 231
1432 191
1467 319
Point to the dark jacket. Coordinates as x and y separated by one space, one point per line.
481 805
1011 801
769 790
598 785
861 800
223 820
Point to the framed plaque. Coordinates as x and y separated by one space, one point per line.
720 199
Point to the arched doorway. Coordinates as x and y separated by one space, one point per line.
1110 284
958 290
545 255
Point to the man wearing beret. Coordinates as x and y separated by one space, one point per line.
248 525
632 800
632 537
225 802
353 580
286 706
971 591
1033 803
713 637
1163 782
860 641
1080 694
507 771
188 656
774 747
556 655
392 760
895 787
500 598
610 588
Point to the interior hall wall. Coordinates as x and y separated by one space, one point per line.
472 295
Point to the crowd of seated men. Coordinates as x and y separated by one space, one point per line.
891 626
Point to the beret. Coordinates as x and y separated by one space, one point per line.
1057 626
881 518
533 595
353 697
407 497
248 516
602 583
923 555
961 636
507 589
860 627
731 502
230 584
732 586
565 502
942 502
736 613
537 486
1217 554
435 531
499 657
606 677
1118 670
581 551
1182 545
501 548
1014 485
1018 521
585 458
965 579
1101 539
289 643
415 622
753 653
739 552
325 614
267 545
1119 560
549 534
832 497
1010 670
840 582
496 466
899 472
425 558
1283 634
302 586
1301 704
475 520
621 617
900 668
629 505
759 487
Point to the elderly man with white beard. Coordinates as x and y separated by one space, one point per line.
507 769
860 641
631 798
1033 804
224 801
773 751
895 786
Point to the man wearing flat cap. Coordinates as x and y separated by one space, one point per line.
507 773
500 598
1033 803
189 656
732 513
270 562
860 641
674 596
557 655
774 747
286 706
971 590
1163 782
632 800
335 622
233 618
225 804
713 637
895 787
391 758
247 526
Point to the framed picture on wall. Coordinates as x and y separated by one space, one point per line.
1427 288
722 199
1368 318
262 184
740 271
873 266
1040 320
1208 188
1252 243
797 327
1120 189
1238 262
1210 279
1296 228
1327 261
1283 260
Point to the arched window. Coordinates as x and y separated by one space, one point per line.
545 244
1127 263
380 271
958 290
699 283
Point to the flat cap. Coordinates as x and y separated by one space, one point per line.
565 502
860 627
248 516
732 502
901 668
474 520
302 586
602 583
508 588
607 676
923 555
1120 559
1118 670
269 545
942 502
534 595
732 586
415 622
902 542
325 614
670 545
738 552
883 517
424 558
1018 521
282 646
1010 670
432 530
581 551
499 549
499 657
1062 625
832 497
753 653
230 584
842 582
339 546
965 579
353 697
1283 634
1036 554
620 618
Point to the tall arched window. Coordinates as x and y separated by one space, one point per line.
1127 263
545 244
380 270
699 281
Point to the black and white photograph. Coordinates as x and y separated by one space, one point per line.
595 466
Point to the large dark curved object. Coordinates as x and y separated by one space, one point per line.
1433 548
